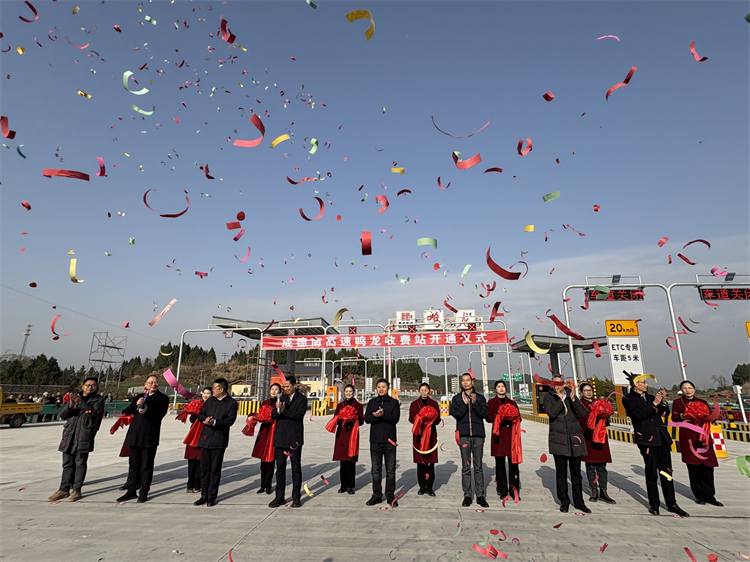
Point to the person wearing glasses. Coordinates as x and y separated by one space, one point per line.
83 414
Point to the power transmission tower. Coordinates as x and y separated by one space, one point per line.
25 339
224 355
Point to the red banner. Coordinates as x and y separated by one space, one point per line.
333 341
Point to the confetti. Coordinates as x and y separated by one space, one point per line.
404 281
49 172
606 36
462 164
621 84
320 214
73 271
52 327
366 242
549 96
255 120
524 151
462 137
551 196
696 56
7 133
279 139
363 14
127 74
163 312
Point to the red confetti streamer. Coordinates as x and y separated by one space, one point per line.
255 120
102 173
712 557
383 200
49 172
32 285
549 96
557 526
670 258
565 330
498 170
690 554
320 214
526 150
669 344
663 241
8 134
246 255
696 56
26 205
466 164
76 46
499 270
126 324
462 137
685 326
603 547
36 16
489 551
392 442
366 241
279 372
205 171
621 84
234 225
494 312
303 180
440 186
597 353
117 29
402 192
52 327
707 243
596 208
686 260
449 307
226 34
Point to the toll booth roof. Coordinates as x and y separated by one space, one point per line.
557 344
252 328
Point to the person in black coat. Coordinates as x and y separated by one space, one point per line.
148 409
566 441
470 410
217 415
383 413
83 414
288 440
647 412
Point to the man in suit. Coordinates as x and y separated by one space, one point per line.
148 409
652 437
217 415
383 413
470 409
289 414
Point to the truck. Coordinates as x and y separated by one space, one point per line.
16 414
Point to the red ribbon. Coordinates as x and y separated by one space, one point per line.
423 423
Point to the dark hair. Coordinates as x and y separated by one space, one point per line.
223 383
275 384
425 384
92 379
350 386
501 382
211 390
291 379
382 380
467 375
687 381
558 376
583 384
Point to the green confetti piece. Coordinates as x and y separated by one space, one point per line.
404 281
18 149
364 198
141 111
132 241
427 242
484 544
742 462
383 111
353 262
467 267
312 5
458 155
551 196
313 145
603 292
149 19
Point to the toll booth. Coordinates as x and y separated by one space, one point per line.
538 391
332 397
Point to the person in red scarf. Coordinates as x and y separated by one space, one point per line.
508 434
347 419
594 428
424 413
192 451
264 449
700 465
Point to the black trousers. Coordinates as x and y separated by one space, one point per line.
211 461
295 455
379 452
74 471
658 459
594 470
562 463
141 468
702 481
266 474
194 474
426 475
348 472
504 482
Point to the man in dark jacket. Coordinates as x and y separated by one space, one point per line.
83 415
289 414
383 413
470 409
566 441
217 415
647 413
148 409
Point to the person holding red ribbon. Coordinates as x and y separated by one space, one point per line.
347 419
264 449
697 448
192 451
594 428
424 414
506 440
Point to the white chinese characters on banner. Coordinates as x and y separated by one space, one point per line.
384 340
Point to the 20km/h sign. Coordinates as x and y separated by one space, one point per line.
617 328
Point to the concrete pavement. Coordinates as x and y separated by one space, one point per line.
339 527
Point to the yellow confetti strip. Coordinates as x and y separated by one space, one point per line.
73 271
639 378
126 154
528 228
665 475
309 493
84 94
398 171
277 140
76 9
71 253
362 14
534 346
20 50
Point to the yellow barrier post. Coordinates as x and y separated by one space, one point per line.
445 408
319 408
730 417
720 447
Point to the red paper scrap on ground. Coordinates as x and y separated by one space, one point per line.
543 458
690 554
603 547
557 526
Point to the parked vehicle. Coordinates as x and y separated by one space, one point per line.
16 414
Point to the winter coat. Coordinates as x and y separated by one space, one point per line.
648 420
383 428
469 417
82 423
565 435
145 428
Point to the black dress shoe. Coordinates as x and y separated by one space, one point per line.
653 510
564 508
200 501
700 502
466 502
677 510
127 496
123 487
430 492
278 502
483 502
421 492
143 498
342 490
714 501
210 503
296 504
583 508
374 500
260 491
350 491
269 490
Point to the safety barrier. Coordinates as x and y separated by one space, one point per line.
319 408
445 408
247 407
737 436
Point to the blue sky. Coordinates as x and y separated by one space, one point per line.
666 156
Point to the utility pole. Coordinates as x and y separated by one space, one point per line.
25 339
224 355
